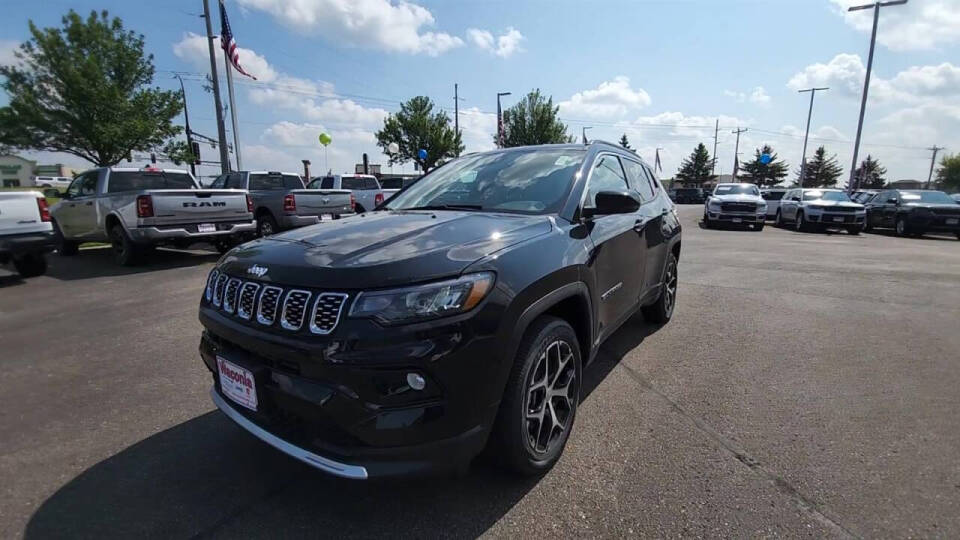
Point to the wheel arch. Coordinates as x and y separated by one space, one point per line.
571 302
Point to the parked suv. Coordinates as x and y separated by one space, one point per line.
914 212
281 202
819 209
458 316
138 209
772 196
689 196
737 204
366 190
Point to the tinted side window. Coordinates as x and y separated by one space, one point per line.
638 178
219 182
773 195
266 181
292 182
607 176
89 185
236 181
351 183
327 183
371 183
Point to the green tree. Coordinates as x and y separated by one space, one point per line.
533 120
695 169
416 126
871 174
765 174
84 89
821 171
624 142
948 175
179 152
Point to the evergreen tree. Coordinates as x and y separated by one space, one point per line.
821 171
769 174
871 174
624 142
695 169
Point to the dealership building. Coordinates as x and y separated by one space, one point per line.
16 171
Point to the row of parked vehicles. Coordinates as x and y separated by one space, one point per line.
908 212
138 209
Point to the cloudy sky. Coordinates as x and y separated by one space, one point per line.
662 72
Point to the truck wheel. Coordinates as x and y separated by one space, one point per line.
65 247
661 311
540 401
223 246
778 220
901 227
799 223
266 225
30 265
706 220
125 252
854 230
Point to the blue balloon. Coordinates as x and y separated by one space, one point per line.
765 158
422 154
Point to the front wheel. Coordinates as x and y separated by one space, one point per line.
661 311
30 264
540 401
901 226
778 220
706 220
799 223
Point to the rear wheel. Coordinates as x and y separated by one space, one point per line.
799 223
778 220
125 252
661 311
266 225
30 264
540 401
65 247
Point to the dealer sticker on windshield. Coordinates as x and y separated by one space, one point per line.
237 384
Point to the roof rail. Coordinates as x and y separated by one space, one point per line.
608 143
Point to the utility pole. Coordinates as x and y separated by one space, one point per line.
854 183
500 119
736 151
186 121
933 161
716 130
233 112
221 132
583 133
803 156
456 110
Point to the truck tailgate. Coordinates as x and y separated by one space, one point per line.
198 205
20 214
313 202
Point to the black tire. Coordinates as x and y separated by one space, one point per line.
799 223
30 264
867 227
853 230
778 220
706 220
266 225
125 252
223 246
65 247
661 311
758 226
512 439
901 227
958 235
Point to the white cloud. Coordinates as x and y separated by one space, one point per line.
192 48
917 25
477 129
934 81
7 47
504 45
377 24
611 99
843 74
758 96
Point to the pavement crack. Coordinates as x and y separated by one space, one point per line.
806 504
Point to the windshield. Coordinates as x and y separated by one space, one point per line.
534 181
773 195
140 180
737 189
935 197
817 195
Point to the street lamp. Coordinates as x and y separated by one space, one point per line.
500 119
866 83
803 157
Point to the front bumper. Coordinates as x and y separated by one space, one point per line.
934 223
736 217
35 242
160 233
836 219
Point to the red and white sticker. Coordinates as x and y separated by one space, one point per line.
237 384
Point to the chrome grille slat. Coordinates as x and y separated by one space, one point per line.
230 294
211 283
326 312
218 290
267 307
294 309
247 300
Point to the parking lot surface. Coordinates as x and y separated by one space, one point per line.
807 386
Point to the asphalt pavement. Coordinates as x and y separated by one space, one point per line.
807 386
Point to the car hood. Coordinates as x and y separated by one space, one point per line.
933 206
739 197
845 204
380 249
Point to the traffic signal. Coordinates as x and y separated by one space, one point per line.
195 150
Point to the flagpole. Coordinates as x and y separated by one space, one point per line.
233 112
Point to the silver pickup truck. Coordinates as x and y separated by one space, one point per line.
280 201
138 209
365 188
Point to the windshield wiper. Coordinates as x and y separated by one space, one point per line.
443 207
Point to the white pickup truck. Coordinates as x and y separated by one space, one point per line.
25 231
138 209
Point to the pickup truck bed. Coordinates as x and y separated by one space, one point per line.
26 234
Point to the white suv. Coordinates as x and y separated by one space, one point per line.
818 209
735 203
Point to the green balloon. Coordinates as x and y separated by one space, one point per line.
325 139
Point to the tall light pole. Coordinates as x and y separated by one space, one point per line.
866 82
803 156
736 151
583 133
500 119
221 131
186 121
716 131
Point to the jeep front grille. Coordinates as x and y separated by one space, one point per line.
326 312
230 295
211 284
294 308
248 294
267 308
218 291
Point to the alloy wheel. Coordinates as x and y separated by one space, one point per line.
670 288
901 228
799 221
551 389
266 228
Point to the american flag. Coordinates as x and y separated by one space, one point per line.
227 42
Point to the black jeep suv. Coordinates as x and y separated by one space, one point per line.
913 212
458 316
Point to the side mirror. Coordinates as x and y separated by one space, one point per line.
614 202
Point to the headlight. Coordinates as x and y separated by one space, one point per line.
713 205
814 208
762 207
423 302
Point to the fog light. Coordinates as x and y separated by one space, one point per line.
416 381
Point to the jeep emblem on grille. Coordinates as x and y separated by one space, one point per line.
257 270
